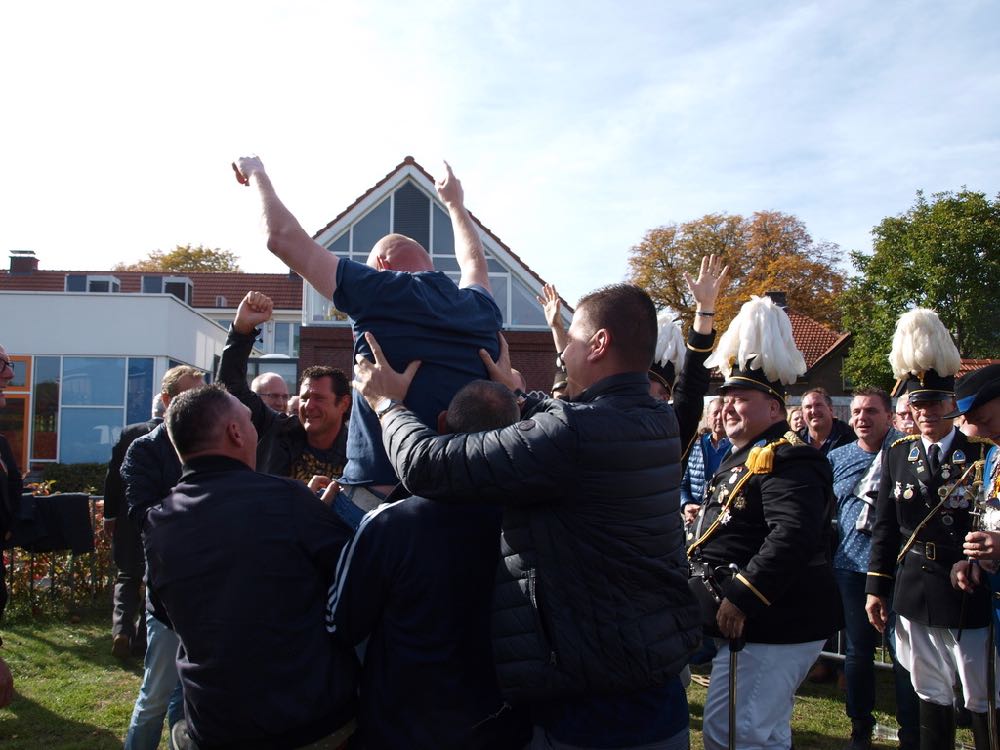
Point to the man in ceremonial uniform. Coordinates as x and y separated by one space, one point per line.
922 515
763 537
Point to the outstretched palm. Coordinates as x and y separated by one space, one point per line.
712 279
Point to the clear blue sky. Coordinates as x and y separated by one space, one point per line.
575 126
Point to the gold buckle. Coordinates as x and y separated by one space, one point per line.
930 551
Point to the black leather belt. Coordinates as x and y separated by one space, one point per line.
932 550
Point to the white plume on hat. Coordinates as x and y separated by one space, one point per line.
670 346
921 343
760 332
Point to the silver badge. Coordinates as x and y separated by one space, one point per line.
947 520
943 491
898 492
958 457
733 477
945 472
908 493
914 454
920 468
724 518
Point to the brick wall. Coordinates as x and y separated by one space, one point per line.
531 352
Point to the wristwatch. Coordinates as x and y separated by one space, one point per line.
385 405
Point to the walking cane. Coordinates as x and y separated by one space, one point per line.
735 646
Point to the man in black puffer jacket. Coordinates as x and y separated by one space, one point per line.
593 618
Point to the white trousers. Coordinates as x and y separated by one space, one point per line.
933 658
767 676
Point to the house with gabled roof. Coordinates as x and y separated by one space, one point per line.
405 201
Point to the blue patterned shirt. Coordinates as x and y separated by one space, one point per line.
850 463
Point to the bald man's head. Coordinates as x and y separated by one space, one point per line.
397 252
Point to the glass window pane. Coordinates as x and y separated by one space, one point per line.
499 287
296 330
525 308
444 263
76 282
13 426
20 368
89 434
444 238
140 389
152 284
281 338
412 214
93 381
342 244
45 420
100 286
370 229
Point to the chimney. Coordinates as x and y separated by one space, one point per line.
23 261
780 299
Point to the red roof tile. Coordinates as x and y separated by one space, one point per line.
971 365
284 289
813 339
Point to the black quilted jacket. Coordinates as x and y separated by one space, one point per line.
593 596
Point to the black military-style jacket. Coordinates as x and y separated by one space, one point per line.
907 494
776 530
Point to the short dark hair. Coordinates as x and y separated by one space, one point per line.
878 393
630 315
819 391
480 406
195 417
338 380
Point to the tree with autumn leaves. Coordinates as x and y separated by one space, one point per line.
767 252
185 259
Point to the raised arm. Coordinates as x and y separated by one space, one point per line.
712 279
254 310
468 247
551 303
285 236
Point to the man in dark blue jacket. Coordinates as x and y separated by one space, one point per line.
418 584
239 564
593 619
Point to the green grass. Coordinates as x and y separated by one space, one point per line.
71 694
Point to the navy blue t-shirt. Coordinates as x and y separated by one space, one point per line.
421 316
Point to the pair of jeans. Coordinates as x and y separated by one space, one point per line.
859 667
160 694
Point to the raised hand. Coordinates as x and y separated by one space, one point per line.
449 188
550 303
712 279
245 167
255 309
377 380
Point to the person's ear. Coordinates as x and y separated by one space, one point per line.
600 345
235 435
382 264
443 423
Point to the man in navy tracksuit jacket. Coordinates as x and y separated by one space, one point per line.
417 582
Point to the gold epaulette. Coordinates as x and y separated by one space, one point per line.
904 439
792 438
761 458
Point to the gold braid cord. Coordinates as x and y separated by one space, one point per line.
760 461
976 466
